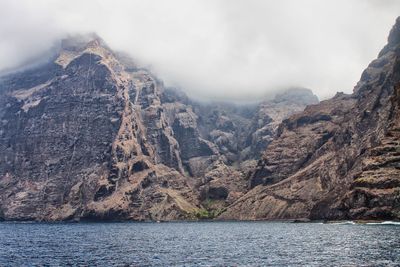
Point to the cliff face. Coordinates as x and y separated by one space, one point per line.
337 159
89 135
88 139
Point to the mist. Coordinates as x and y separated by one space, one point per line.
215 49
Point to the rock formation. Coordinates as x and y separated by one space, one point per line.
86 137
339 159
90 135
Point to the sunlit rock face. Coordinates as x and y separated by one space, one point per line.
339 159
89 135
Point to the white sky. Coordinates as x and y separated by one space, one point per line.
215 49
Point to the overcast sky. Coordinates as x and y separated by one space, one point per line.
215 49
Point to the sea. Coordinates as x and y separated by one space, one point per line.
199 244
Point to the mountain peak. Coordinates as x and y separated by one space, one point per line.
297 94
75 45
80 42
393 38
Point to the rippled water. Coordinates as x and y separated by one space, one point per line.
199 244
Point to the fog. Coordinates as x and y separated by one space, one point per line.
215 49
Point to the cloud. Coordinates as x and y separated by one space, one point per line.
215 49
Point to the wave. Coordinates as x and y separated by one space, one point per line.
384 223
343 223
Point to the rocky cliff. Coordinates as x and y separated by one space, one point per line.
86 137
90 135
339 159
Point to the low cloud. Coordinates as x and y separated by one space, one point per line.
215 49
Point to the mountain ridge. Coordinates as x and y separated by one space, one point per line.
337 159
92 136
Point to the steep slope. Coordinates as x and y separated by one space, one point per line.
338 159
85 138
89 135
240 133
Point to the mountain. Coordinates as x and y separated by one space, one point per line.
89 135
339 159
92 136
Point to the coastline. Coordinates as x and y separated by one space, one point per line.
291 221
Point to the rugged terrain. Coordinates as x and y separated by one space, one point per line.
339 159
90 135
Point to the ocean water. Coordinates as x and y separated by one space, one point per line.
199 244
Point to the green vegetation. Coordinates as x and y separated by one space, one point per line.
210 210
203 214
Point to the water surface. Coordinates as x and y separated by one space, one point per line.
199 244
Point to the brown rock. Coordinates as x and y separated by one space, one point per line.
337 159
